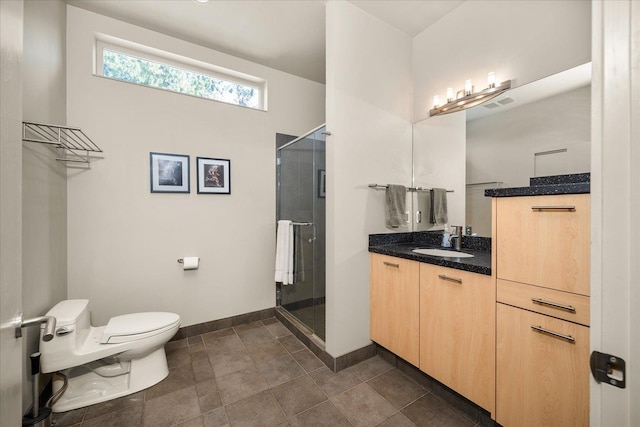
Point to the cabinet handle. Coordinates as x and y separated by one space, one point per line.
554 305
391 264
451 279
542 330
553 208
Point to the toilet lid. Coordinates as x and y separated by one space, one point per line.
130 327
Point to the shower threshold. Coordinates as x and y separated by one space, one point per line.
301 327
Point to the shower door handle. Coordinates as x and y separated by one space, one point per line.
311 240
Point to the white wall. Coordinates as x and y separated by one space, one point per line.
124 241
368 114
11 351
44 186
519 40
437 144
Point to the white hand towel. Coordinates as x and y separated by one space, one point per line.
284 252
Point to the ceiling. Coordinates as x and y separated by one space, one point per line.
282 34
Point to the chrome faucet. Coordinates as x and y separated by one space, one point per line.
457 234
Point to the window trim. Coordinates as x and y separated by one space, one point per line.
181 62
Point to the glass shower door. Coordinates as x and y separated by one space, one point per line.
301 199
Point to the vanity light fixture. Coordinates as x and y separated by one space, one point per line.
201 1
467 98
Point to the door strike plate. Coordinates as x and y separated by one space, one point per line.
608 368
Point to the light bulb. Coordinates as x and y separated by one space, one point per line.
468 88
436 101
491 79
449 94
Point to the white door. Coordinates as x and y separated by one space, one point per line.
10 211
615 192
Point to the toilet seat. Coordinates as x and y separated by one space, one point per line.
136 326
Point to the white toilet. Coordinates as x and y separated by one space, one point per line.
106 362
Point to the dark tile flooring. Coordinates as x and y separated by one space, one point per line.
259 374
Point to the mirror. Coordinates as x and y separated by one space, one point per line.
538 129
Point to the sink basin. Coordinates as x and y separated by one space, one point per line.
443 253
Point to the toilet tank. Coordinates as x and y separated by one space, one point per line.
71 312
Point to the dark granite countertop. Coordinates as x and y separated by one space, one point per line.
547 185
401 245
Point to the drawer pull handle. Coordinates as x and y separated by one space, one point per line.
542 330
451 279
554 305
553 208
391 264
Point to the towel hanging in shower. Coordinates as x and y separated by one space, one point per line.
284 252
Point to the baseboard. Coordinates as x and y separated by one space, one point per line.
227 322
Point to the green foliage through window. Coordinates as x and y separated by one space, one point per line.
119 66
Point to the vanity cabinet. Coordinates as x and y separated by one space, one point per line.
542 313
457 331
395 305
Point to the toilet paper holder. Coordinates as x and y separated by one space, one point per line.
190 263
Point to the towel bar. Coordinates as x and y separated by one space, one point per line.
380 187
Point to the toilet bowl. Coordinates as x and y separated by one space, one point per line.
105 362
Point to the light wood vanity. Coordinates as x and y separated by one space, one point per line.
542 317
439 319
515 342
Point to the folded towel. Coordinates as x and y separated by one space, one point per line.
395 198
284 252
439 206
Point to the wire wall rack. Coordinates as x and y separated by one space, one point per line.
75 145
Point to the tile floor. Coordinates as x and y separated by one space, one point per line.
260 374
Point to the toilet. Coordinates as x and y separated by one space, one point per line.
105 362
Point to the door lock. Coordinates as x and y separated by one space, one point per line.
608 368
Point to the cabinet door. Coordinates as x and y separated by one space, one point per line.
394 305
541 241
457 331
542 380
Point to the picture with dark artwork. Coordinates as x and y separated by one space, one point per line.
214 176
170 173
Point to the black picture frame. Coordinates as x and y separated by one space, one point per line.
214 175
169 173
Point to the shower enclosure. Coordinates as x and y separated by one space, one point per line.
301 198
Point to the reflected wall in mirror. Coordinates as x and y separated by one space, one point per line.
538 129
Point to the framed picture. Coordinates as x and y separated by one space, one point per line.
322 183
214 176
169 173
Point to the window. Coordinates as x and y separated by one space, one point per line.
181 76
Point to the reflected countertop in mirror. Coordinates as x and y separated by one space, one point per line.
547 185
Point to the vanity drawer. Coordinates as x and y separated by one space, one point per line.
563 305
544 241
